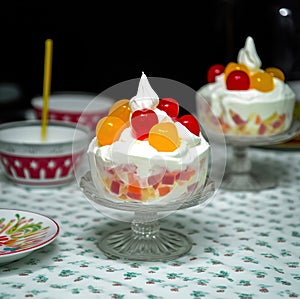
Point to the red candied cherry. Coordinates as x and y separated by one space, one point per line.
191 123
213 71
169 105
238 80
142 121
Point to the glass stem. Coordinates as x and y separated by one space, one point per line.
240 162
145 225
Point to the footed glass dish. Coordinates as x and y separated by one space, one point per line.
240 173
120 190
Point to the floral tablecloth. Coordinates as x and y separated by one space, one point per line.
245 245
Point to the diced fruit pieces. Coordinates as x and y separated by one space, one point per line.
134 192
262 129
154 179
185 175
258 120
254 124
164 190
236 118
158 185
276 124
272 118
115 187
169 178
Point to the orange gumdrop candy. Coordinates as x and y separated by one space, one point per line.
232 66
164 137
262 81
121 109
109 129
276 72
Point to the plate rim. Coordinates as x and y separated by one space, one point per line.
36 246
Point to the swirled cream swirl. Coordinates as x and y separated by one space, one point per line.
146 97
248 55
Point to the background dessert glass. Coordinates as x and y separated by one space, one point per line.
144 239
254 106
240 174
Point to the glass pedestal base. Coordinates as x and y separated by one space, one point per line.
247 181
240 174
158 245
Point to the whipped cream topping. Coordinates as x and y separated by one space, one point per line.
146 97
248 55
128 150
246 101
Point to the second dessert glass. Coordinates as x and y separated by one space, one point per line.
240 173
143 239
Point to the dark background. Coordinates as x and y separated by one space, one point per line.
99 44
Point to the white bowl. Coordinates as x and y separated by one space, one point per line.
27 160
68 107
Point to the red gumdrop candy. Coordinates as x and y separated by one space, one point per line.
238 80
191 123
170 106
142 121
213 71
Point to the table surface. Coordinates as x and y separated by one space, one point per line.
245 245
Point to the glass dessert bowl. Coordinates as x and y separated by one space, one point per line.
148 159
251 106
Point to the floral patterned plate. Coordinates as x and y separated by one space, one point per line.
22 232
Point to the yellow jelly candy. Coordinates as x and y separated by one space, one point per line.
262 81
275 72
164 137
108 129
232 66
121 109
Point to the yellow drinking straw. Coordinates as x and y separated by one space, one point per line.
46 86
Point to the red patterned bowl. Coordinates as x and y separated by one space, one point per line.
27 160
68 107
